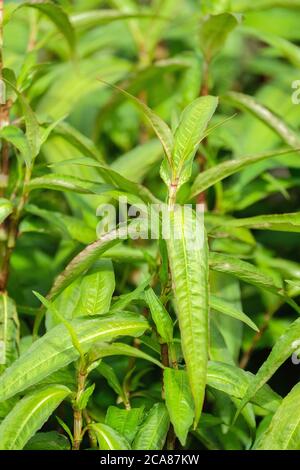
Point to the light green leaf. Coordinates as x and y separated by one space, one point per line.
96 290
29 415
55 349
234 382
160 316
111 377
188 135
9 331
59 182
153 431
179 402
84 260
226 307
136 163
125 422
71 227
283 432
245 271
213 33
217 173
281 222
285 346
161 129
51 440
15 136
125 299
188 258
6 209
101 350
287 134
33 134
108 438
57 15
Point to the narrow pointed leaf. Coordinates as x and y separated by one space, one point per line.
153 431
277 124
9 331
108 438
6 209
225 307
101 350
284 347
160 316
283 432
217 173
96 290
57 15
179 402
280 222
189 133
188 257
55 349
234 382
161 129
29 415
125 422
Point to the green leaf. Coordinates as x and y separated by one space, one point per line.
57 15
284 347
160 128
84 260
287 134
188 135
137 163
111 377
29 415
15 136
245 271
71 227
67 183
188 258
153 431
234 382
9 331
217 173
160 316
60 319
101 350
179 402
226 307
92 18
289 222
78 140
213 33
108 438
6 209
125 422
96 290
33 134
51 440
283 432
125 299
55 349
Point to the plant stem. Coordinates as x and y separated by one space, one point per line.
92 437
77 412
12 232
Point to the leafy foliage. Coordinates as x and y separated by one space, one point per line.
114 334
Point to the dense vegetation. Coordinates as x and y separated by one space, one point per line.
110 339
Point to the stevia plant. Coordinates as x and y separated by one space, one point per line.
114 336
